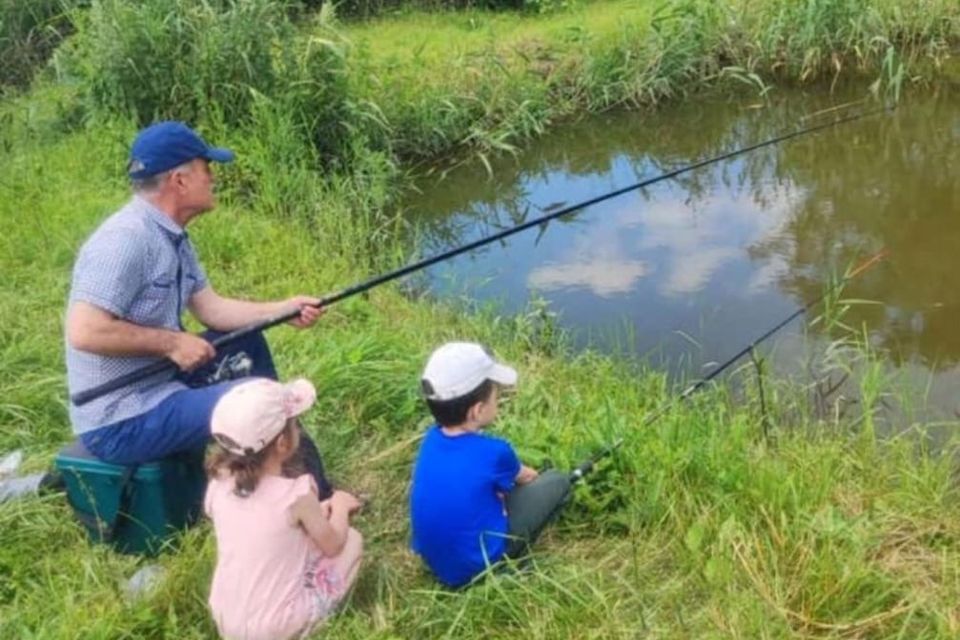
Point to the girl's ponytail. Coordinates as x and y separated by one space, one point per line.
246 468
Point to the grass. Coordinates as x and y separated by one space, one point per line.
487 81
700 527
29 32
431 38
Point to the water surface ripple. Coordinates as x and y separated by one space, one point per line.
688 271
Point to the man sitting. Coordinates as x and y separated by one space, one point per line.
133 279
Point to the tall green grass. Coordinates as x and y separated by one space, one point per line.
432 84
209 62
29 33
174 58
487 81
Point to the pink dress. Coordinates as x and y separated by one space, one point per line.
271 582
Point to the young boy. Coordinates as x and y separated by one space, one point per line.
472 502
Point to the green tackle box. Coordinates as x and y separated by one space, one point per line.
136 509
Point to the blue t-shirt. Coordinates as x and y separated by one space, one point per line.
457 519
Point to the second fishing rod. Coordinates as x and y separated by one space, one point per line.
167 365
585 467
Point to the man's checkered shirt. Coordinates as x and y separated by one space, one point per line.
141 267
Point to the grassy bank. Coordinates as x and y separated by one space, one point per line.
487 81
701 526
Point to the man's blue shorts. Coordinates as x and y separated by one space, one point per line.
180 422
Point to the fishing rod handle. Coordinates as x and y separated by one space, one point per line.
585 467
580 471
88 395
165 364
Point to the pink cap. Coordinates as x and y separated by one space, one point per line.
250 415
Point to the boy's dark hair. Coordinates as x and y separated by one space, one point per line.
450 413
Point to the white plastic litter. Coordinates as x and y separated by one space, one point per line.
13 488
143 581
11 462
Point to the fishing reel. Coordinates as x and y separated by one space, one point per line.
234 366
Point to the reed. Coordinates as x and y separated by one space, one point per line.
484 82
29 33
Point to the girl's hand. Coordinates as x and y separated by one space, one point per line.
325 522
326 508
346 501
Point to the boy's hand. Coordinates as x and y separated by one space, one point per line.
526 475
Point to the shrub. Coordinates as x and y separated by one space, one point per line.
174 58
208 61
29 32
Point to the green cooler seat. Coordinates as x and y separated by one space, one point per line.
136 509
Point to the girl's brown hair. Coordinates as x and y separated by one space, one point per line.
246 469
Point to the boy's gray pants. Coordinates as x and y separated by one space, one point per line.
530 507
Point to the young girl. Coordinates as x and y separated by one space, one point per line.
285 559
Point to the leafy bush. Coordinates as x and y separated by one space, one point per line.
315 91
29 32
205 61
174 58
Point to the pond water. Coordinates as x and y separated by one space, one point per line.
688 271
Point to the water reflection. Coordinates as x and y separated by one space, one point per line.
698 266
894 186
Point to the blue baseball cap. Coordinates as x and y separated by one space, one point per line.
165 145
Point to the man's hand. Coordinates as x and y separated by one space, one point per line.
228 314
310 312
189 351
526 475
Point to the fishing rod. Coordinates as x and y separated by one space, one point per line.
166 364
584 468
587 465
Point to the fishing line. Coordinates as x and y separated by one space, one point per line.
166 364
585 467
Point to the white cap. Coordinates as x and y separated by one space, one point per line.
457 368
253 413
